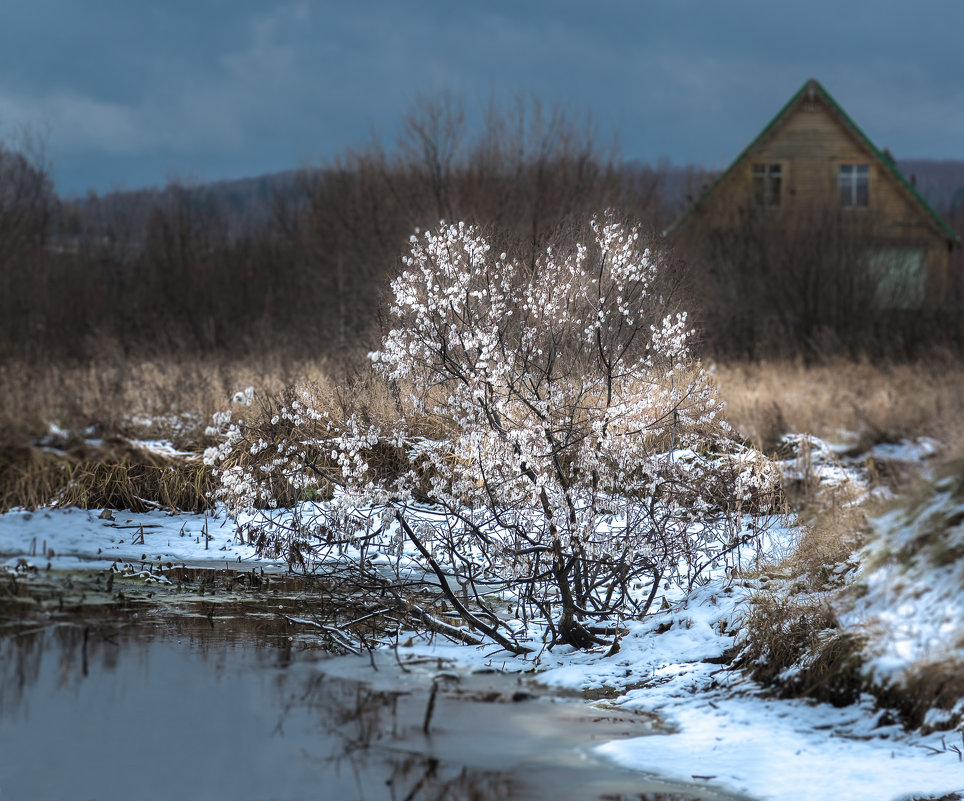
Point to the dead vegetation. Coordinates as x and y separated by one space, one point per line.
71 434
112 476
937 685
793 640
116 395
822 619
125 400
869 403
833 529
797 645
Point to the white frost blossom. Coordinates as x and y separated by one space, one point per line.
579 428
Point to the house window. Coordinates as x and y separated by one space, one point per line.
854 183
767 181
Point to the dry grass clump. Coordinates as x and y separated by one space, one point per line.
282 448
793 640
113 476
832 533
31 477
138 481
168 398
877 403
377 401
796 644
933 686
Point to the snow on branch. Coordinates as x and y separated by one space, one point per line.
583 462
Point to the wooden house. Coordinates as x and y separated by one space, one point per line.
813 161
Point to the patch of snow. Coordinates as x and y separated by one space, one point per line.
70 538
913 606
786 750
54 431
816 461
916 450
162 447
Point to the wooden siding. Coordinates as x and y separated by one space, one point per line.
810 142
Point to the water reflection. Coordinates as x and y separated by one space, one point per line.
228 704
92 714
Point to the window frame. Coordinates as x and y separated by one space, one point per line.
764 176
849 184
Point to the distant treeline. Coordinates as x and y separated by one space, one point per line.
298 263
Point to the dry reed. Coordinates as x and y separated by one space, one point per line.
861 402
174 399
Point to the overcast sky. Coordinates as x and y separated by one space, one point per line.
129 94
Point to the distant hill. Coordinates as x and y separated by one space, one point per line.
940 183
243 204
251 202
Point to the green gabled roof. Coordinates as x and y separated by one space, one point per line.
882 158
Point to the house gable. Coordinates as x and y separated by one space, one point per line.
805 145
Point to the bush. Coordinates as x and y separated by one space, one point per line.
816 286
585 462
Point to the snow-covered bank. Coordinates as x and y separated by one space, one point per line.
730 732
723 730
765 747
70 538
791 752
908 600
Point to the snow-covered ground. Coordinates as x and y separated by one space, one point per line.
70 538
911 599
721 730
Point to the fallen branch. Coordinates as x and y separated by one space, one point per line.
432 623
471 620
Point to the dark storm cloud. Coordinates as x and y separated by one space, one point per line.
130 94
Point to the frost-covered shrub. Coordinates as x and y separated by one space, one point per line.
587 462
268 454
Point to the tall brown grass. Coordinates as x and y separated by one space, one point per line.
174 398
860 402
170 398
111 476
